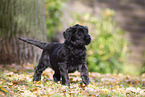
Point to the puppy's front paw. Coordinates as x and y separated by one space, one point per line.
65 83
37 78
86 81
56 77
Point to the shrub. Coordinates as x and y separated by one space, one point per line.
53 13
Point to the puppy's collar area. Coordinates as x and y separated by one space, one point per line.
71 46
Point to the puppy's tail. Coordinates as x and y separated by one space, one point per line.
34 42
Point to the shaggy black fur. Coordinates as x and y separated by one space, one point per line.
66 57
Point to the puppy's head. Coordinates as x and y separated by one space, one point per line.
77 35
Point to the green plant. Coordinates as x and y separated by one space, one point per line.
107 51
53 14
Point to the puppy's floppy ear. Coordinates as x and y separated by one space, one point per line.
67 34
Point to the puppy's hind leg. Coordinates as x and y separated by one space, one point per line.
44 62
56 76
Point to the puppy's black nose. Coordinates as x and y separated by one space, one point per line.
88 40
88 37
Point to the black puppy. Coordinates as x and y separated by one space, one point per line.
66 57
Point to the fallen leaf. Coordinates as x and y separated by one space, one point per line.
10 83
127 76
3 89
135 82
35 89
37 82
72 93
82 86
1 82
10 74
131 89
114 75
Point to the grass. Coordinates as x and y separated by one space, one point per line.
16 80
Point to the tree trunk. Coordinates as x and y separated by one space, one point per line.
24 18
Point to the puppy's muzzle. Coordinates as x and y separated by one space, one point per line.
87 40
